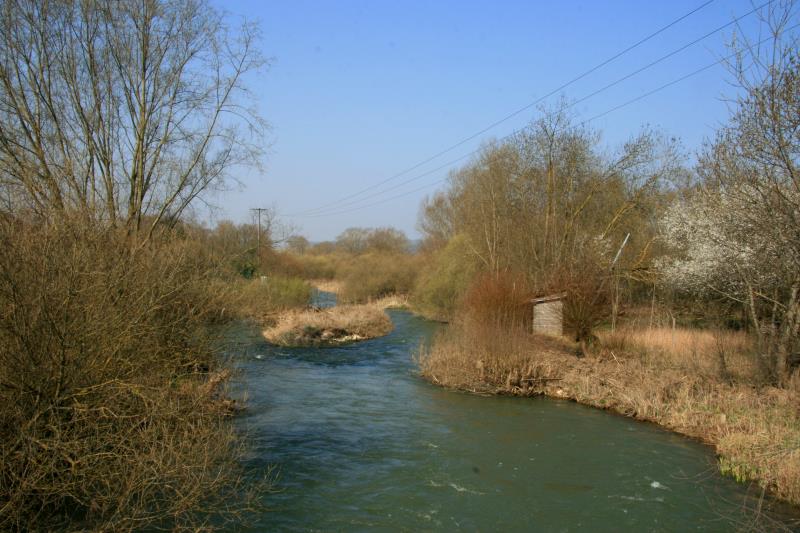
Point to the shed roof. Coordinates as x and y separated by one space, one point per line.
549 298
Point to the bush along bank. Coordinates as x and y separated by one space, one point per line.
115 415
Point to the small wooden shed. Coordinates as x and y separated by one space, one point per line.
548 314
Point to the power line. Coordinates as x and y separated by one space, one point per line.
595 117
338 205
520 110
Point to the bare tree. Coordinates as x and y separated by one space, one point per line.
121 110
388 240
353 240
298 244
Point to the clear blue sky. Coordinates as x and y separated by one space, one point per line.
361 90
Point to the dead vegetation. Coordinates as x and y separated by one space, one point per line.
327 285
114 414
330 327
719 354
707 385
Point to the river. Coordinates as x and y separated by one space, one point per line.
361 442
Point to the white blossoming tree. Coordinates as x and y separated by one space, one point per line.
739 235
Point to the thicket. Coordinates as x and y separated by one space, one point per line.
113 412
374 275
444 274
115 117
369 263
735 236
552 207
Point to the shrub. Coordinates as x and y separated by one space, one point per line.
588 285
372 276
321 266
499 300
443 280
112 417
261 297
281 263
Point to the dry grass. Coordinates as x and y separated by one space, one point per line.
332 326
728 355
390 301
393 301
755 429
327 285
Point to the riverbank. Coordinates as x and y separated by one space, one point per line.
755 429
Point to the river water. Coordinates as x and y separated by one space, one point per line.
361 442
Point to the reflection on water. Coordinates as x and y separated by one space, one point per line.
362 443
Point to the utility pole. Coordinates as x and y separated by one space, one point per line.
619 252
615 274
258 211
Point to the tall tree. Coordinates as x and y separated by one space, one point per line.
550 198
122 110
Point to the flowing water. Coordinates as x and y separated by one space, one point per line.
361 442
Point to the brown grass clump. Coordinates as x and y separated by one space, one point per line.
393 301
680 385
491 360
113 411
327 285
723 354
325 327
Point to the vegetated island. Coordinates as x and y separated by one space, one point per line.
333 326
329 327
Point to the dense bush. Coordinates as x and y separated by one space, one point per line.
280 263
501 301
255 298
443 280
112 418
322 266
375 275
589 290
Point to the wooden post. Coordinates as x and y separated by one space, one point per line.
615 273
